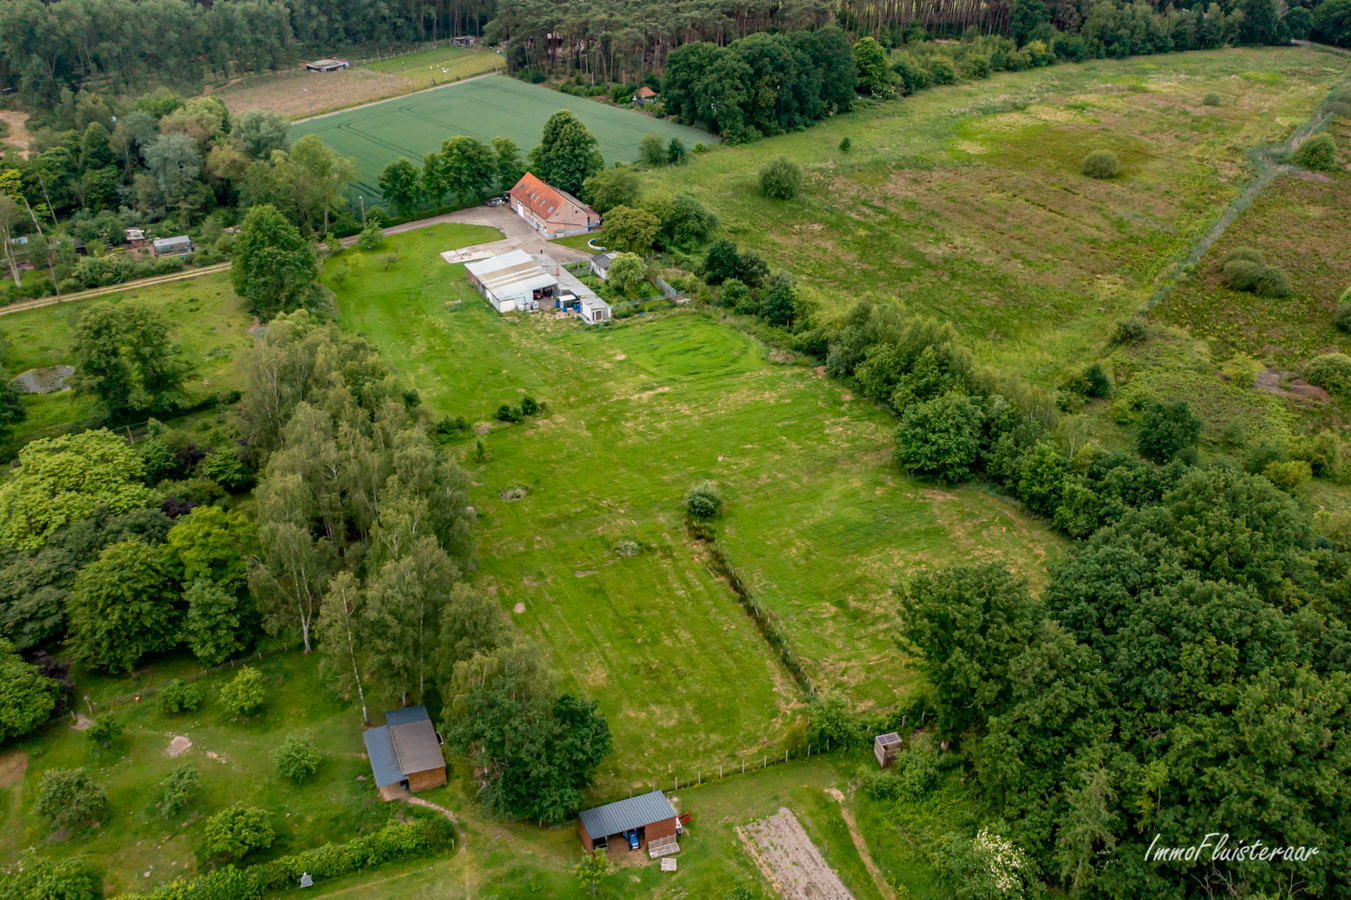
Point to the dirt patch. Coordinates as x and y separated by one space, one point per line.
18 136
301 93
789 859
519 608
1313 176
1269 380
513 494
218 757
82 722
12 766
178 746
46 380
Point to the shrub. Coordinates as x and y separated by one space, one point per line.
781 179
177 791
529 405
1331 372
243 696
940 437
69 797
1131 332
1272 281
1342 317
1211 100
704 500
39 878
1288 476
1247 253
976 66
27 697
735 294
1241 274
943 71
296 759
225 468
1101 164
1168 431
508 413
846 144
233 832
1318 153
372 236
106 729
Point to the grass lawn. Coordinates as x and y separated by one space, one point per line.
209 320
432 67
485 108
818 524
134 846
967 202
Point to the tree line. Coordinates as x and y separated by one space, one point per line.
122 46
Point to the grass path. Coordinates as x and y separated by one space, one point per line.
140 284
862 846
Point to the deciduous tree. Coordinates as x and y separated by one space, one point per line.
122 607
274 266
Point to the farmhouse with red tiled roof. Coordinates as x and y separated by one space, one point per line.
551 212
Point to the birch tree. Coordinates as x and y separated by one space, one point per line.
341 637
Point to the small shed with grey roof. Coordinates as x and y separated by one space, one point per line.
650 815
172 246
406 750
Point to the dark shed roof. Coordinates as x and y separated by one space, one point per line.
416 746
380 749
620 816
406 715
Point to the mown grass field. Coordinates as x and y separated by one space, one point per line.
818 524
967 202
485 108
444 64
210 322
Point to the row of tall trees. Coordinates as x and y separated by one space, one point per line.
122 45
366 538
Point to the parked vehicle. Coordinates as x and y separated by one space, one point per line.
632 835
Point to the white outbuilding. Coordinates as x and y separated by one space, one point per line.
512 281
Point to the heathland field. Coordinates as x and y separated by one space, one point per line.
818 525
967 202
484 108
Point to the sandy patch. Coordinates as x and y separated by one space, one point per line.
18 135
789 859
519 608
82 722
12 766
218 757
178 746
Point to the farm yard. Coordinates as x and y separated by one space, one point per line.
483 109
299 94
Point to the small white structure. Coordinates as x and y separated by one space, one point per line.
885 748
511 281
173 246
306 880
328 65
594 310
600 264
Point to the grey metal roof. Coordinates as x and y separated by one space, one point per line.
406 715
620 816
170 242
380 750
416 747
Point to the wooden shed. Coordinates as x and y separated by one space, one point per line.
886 747
406 750
650 817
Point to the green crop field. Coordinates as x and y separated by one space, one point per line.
484 108
818 525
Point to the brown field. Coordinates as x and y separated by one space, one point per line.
17 136
299 94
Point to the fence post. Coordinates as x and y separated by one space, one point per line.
764 763
743 765
698 777
677 784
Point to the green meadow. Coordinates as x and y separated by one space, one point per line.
429 68
817 523
484 108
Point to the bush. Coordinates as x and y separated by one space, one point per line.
27 697
243 696
1211 100
1331 372
1169 431
704 500
1318 153
529 405
1101 164
372 236
1131 332
233 832
940 437
781 179
69 797
106 729
508 413
177 791
1342 317
225 468
1241 274
846 144
1272 281
1288 476
296 759
39 878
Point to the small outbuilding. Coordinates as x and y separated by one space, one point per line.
173 246
328 65
406 750
644 96
886 747
647 821
463 40
600 264
512 281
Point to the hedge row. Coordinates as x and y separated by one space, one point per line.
393 842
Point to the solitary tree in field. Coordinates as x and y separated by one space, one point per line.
400 185
273 265
592 868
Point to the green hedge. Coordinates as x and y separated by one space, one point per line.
393 842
